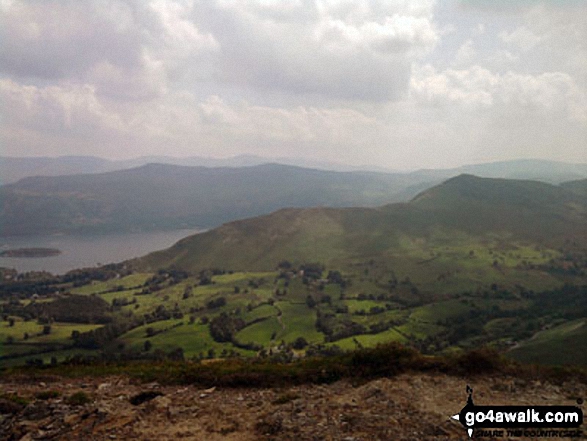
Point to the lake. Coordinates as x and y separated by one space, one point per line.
78 251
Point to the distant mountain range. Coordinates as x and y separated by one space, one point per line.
465 209
160 196
13 169
167 196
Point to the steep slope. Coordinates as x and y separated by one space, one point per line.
463 206
169 196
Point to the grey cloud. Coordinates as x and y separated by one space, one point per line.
61 39
264 53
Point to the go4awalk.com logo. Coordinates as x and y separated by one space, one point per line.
526 421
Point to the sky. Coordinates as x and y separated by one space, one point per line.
397 84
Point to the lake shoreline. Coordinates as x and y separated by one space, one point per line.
30 253
86 251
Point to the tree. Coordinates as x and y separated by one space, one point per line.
284 264
300 343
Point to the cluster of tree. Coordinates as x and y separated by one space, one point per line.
223 327
162 313
216 303
571 263
24 285
98 338
335 328
311 271
205 276
79 277
71 308
25 288
119 302
336 278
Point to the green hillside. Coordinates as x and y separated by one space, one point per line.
471 262
562 344
464 213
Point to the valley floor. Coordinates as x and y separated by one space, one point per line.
406 407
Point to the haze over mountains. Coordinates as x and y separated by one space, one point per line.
13 169
159 196
163 196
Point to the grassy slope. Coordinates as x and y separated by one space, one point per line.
465 211
563 344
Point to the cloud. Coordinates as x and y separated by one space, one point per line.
55 109
549 92
466 53
397 82
319 48
59 39
521 38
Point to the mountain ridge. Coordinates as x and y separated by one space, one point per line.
327 234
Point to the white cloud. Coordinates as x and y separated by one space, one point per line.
521 38
466 53
549 93
55 108
321 51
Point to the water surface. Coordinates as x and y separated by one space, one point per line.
78 251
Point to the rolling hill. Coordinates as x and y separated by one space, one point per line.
158 196
169 196
461 210
470 262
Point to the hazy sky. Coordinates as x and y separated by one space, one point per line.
398 84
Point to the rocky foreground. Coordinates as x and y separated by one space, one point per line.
406 407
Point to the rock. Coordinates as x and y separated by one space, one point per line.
8 407
104 386
36 411
161 402
143 397
71 419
